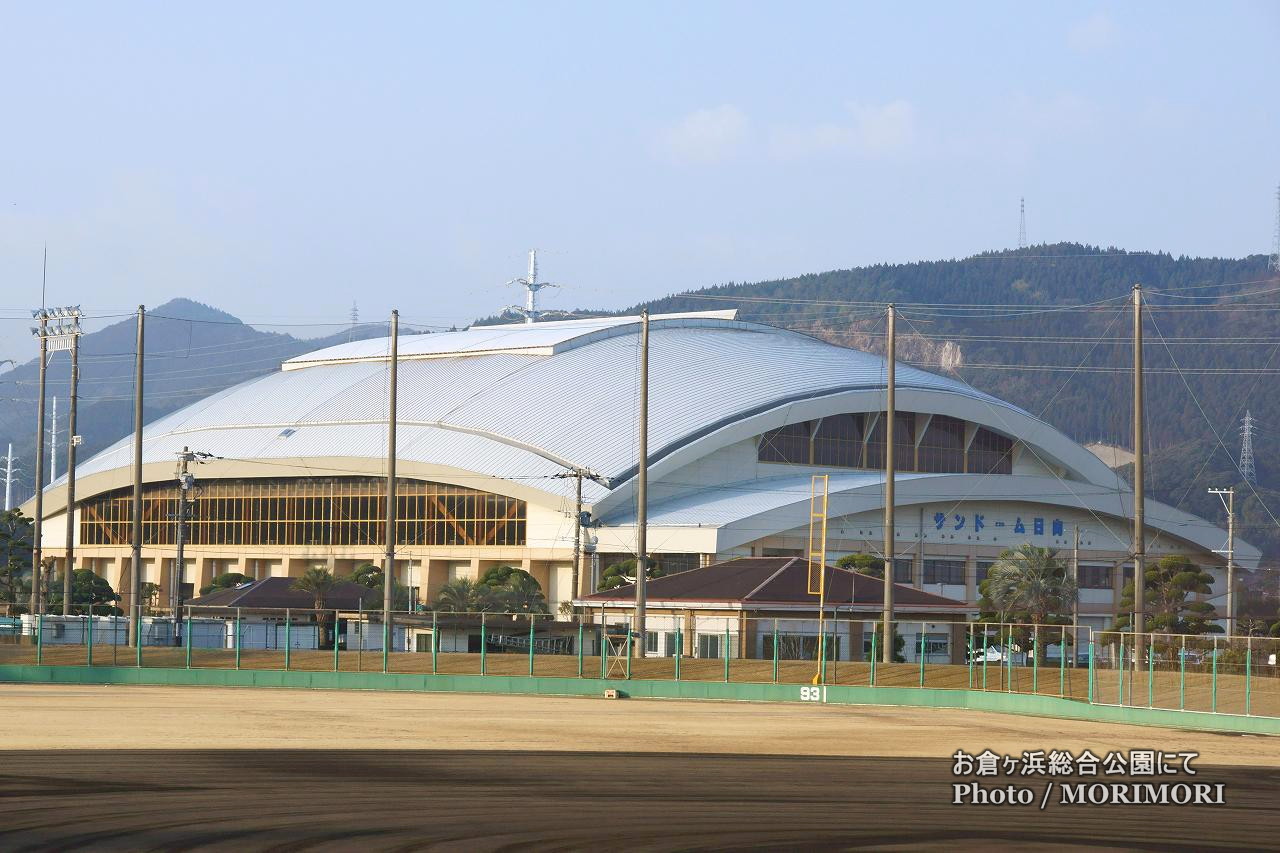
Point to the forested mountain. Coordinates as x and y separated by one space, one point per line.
192 351
992 321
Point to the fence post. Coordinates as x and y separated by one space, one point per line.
604 642
89 653
1091 667
1008 665
532 620
1214 707
1182 675
775 651
1120 668
435 641
1035 659
1062 663
629 635
873 658
39 638
484 644
137 646
679 646
969 645
1151 670
922 633
337 623
580 632
726 650
985 638
237 637
288 637
386 639
188 638
1248 672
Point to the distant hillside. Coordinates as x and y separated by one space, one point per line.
1185 413
192 351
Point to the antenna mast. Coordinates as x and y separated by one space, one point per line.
1275 245
531 285
1247 470
1022 223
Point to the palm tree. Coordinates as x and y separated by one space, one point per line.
465 596
1033 583
319 582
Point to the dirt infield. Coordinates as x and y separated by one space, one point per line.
140 768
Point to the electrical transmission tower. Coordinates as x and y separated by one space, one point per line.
355 321
531 284
1275 244
1247 469
1022 223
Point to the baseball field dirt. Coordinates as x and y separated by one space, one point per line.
121 767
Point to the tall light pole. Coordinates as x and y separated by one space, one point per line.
135 576
642 490
1139 489
186 482
58 329
891 353
389 570
73 441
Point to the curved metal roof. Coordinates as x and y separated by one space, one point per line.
523 401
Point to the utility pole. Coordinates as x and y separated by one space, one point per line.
1139 489
8 479
1228 498
642 491
41 332
186 481
135 576
578 473
73 441
1075 576
53 443
389 570
891 354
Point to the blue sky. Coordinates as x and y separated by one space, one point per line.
279 160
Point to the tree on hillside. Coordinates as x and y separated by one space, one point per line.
863 564
1170 583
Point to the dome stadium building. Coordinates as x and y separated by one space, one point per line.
493 418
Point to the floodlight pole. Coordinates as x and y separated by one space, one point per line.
1139 492
642 488
37 532
389 570
135 579
891 352
73 441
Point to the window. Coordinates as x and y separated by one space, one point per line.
709 645
786 444
942 446
902 571
944 571
838 441
935 645
311 511
1095 577
984 566
990 453
904 442
651 641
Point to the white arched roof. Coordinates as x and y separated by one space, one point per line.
522 402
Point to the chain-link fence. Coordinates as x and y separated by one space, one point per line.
1214 673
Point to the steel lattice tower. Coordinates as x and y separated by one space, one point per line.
1275 243
1247 469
